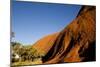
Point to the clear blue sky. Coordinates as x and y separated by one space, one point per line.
33 20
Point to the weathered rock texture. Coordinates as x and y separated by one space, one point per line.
75 43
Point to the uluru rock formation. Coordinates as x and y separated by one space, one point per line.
75 43
45 43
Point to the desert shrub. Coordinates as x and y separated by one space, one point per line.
26 53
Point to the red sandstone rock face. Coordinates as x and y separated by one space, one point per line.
75 43
45 43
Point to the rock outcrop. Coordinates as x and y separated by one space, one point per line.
75 43
44 44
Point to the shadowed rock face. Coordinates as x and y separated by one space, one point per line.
76 42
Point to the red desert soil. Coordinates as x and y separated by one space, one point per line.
75 43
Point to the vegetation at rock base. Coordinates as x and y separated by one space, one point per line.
25 55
